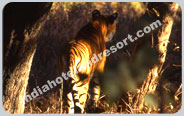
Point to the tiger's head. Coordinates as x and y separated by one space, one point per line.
107 24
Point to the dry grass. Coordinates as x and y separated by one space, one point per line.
52 104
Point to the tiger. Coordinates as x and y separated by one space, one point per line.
76 58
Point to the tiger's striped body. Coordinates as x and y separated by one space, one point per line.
76 58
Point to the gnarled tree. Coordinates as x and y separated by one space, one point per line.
161 43
22 25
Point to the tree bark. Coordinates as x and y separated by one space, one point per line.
22 24
163 34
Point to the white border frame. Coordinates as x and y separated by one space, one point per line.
3 3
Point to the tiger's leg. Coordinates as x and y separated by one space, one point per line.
94 91
80 90
76 99
83 93
70 97
77 106
95 82
68 102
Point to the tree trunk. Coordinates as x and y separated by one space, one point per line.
150 84
22 25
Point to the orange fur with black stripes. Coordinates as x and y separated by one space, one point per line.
76 57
